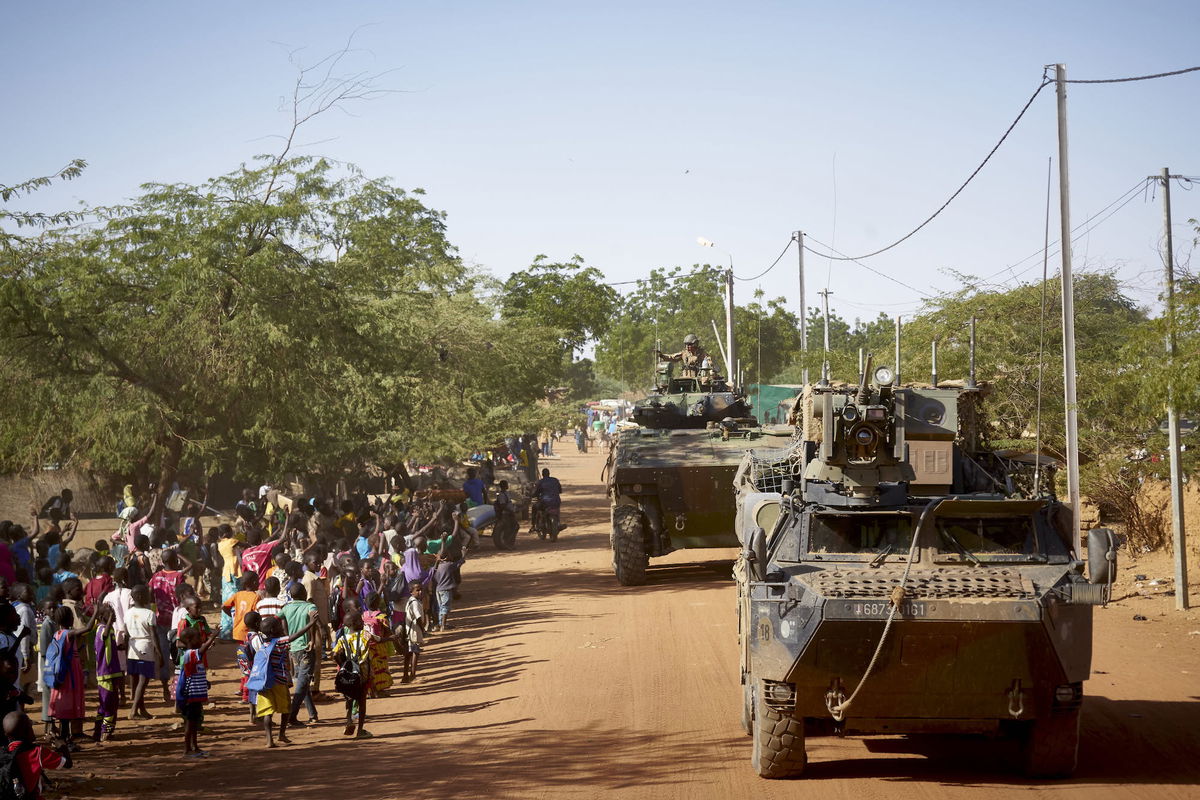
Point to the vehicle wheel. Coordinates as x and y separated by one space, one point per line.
552 524
628 546
747 705
778 750
1052 745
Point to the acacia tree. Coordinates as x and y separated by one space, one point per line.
568 296
12 219
291 315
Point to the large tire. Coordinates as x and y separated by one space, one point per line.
1052 745
628 546
778 750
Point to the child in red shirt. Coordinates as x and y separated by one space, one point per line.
32 760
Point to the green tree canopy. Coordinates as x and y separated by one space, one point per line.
670 304
291 315
570 297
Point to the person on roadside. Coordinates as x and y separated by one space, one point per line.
302 622
242 603
271 603
414 628
58 507
32 760
192 693
108 672
271 664
229 550
446 579
475 490
144 656
23 603
247 508
163 589
352 646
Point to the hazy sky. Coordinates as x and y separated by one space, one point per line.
622 131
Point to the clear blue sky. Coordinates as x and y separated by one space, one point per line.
622 131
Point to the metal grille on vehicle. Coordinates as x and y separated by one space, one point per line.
923 585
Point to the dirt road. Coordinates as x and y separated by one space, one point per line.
556 682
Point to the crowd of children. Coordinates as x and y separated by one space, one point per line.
295 585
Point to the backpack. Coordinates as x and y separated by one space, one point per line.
11 785
349 677
189 687
58 662
261 678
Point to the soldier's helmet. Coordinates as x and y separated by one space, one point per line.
691 338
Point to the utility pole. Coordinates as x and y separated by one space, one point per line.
730 348
825 317
798 238
1068 306
1178 537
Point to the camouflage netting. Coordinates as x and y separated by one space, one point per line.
763 469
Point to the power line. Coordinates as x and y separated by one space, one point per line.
1126 195
710 270
1141 77
1074 239
671 277
773 263
844 257
1045 82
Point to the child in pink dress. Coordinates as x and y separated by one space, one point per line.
67 698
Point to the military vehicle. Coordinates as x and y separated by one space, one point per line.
894 580
670 473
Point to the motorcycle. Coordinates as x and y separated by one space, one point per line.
544 521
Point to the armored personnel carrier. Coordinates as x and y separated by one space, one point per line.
670 474
894 581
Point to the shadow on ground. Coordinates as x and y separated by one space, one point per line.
1121 742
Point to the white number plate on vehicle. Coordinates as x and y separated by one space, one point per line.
880 609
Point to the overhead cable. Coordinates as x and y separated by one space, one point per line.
1141 77
787 247
1045 82
1088 230
845 257
1127 195
667 277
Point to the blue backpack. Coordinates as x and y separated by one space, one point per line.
261 678
58 661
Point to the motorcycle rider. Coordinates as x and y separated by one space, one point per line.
548 492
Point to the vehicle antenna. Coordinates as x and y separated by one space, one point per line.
1037 448
933 361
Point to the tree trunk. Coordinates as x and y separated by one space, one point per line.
408 481
166 476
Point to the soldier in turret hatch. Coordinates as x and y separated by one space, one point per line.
692 356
